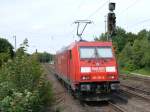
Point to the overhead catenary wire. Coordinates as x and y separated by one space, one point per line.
93 13
75 14
81 4
97 10
136 23
140 22
130 6
127 8
73 30
143 21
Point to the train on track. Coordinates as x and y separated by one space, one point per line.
88 69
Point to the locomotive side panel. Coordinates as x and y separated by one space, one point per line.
66 64
61 65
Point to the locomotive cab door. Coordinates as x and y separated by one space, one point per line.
69 64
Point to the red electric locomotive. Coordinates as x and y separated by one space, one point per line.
89 69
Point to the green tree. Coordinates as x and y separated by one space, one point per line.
119 40
131 37
142 34
125 58
102 37
6 47
45 57
145 48
23 48
6 51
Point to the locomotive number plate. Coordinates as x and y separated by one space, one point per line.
98 69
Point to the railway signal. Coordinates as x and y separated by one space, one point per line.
111 20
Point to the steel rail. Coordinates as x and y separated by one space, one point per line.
116 107
135 94
59 96
136 77
141 91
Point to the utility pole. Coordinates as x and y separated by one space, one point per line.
105 24
106 27
36 51
15 42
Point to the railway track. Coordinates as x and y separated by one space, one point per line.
139 90
117 104
136 77
100 107
116 107
108 107
59 95
135 92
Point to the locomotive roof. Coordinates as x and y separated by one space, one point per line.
84 43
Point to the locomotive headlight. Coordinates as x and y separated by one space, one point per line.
111 69
110 77
85 69
85 77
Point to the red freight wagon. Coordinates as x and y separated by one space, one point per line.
89 69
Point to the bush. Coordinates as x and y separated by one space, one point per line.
21 102
23 86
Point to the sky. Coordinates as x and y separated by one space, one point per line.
49 24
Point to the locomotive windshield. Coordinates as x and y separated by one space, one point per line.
96 52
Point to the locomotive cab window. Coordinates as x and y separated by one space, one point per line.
87 52
105 52
95 52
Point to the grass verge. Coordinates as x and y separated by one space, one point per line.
143 71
